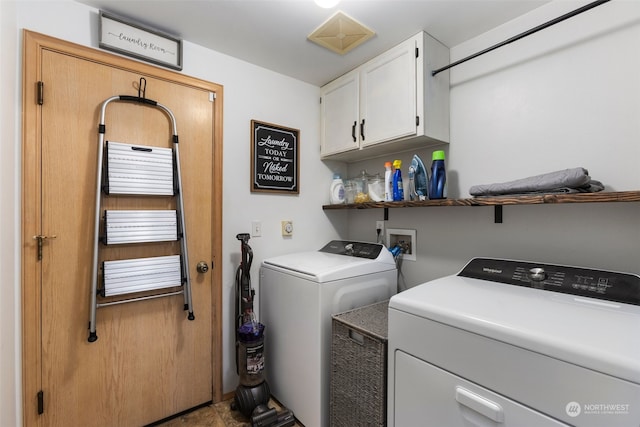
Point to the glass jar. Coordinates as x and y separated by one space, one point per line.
362 192
350 191
375 186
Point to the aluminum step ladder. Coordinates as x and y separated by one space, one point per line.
138 170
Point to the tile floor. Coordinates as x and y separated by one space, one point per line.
214 415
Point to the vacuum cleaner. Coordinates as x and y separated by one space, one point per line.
252 394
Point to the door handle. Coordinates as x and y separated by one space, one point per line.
480 404
353 131
202 267
41 238
362 129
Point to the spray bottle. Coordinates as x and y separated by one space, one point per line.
388 182
398 190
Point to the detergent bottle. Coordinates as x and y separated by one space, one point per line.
337 190
388 182
398 191
438 176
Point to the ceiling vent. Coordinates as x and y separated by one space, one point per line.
341 33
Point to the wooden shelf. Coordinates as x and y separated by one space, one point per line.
600 197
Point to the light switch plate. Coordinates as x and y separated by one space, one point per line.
256 228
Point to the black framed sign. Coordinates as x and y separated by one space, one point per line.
129 38
275 158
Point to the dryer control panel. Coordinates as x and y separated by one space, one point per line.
601 284
356 249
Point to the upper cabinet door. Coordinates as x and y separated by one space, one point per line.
388 95
339 115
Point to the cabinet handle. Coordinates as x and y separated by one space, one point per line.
362 129
353 131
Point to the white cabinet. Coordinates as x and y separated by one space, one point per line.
390 104
339 115
388 107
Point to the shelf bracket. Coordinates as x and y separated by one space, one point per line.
497 214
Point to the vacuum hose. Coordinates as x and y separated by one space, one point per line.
243 278
244 292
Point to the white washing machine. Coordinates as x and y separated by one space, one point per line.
298 294
514 343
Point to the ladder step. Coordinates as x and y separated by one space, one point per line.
142 274
140 226
139 169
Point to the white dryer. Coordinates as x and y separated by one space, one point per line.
298 295
515 343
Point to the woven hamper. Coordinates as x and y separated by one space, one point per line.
359 367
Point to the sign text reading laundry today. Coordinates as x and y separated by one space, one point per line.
275 158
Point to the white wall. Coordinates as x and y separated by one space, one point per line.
564 97
250 92
10 378
254 93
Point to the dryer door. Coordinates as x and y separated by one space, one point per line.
429 396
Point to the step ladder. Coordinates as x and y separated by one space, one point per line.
139 171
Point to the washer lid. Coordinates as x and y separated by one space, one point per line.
322 266
595 334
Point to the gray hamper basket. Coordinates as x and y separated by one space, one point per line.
359 367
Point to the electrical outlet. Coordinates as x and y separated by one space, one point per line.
287 228
256 228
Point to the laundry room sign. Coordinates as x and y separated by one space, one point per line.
129 38
275 158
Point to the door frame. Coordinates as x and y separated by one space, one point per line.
33 44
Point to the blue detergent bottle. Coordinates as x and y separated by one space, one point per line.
398 190
438 176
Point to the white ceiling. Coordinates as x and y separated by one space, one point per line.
273 33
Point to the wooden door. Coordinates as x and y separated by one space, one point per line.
149 361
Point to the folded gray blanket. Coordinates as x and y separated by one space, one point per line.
576 180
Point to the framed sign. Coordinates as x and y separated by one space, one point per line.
128 38
275 158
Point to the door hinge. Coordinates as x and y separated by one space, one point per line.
417 120
40 402
417 52
40 93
